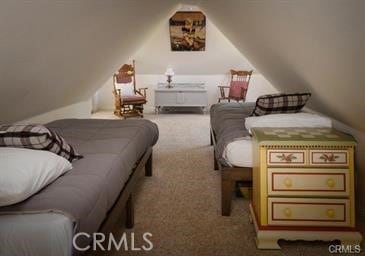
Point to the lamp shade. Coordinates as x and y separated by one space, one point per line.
169 72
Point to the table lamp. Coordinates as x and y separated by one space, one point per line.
169 73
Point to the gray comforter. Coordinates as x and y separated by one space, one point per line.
228 123
111 149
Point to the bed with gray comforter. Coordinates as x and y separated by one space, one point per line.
83 196
227 122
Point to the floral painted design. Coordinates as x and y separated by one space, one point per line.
329 157
287 158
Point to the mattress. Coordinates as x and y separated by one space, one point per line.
239 153
36 234
84 195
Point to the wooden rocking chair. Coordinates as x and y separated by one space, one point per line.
238 86
128 100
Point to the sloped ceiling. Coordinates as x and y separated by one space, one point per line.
218 58
54 53
303 45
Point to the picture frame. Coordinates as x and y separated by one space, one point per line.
188 31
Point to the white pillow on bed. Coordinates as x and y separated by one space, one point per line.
301 119
23 172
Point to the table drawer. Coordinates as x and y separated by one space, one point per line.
308 182
329 157
308 212
284 157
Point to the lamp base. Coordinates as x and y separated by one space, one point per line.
169 81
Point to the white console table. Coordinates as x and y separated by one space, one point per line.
181 95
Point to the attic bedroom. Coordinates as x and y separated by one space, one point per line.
197 127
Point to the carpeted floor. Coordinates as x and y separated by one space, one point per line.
180 204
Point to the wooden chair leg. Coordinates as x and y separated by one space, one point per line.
129 223
227 190
117 113
148 167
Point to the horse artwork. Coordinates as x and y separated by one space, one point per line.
187 31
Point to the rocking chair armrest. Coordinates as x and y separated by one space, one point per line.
142 91
118 100
116 92
221 89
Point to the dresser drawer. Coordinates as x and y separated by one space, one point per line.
178 98
308 212
308 182
284 157
329 157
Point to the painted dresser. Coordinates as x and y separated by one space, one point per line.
303 186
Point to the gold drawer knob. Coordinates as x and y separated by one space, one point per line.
287 212
330 213
288 182
331 183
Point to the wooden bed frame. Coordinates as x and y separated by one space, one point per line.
123 208
125 199
229 177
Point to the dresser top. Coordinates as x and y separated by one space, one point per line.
181 87
302 136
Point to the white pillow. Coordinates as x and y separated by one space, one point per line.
23 172
288 120
126 89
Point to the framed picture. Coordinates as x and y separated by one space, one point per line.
187 31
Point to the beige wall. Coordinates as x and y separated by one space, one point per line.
360 164
303 45
210 66
77 110
58 53
220 54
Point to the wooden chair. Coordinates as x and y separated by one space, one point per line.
238 86
128 99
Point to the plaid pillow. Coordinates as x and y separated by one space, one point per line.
36 137
280 103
